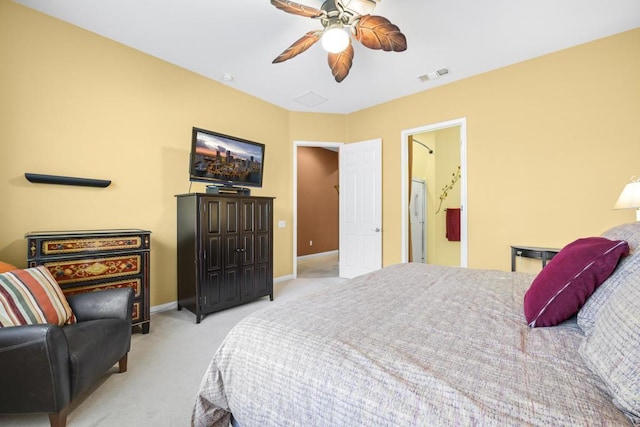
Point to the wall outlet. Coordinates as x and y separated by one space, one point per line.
310 242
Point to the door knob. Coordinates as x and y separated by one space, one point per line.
377 230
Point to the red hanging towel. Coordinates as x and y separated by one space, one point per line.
453 224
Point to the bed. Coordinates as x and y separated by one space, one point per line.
426 345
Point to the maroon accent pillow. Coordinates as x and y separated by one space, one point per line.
563 286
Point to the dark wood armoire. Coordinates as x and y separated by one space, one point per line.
225 251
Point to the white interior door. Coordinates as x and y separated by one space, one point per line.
360 208
417 210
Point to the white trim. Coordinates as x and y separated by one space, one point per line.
297 144
404 159
319 254
164 307
283 278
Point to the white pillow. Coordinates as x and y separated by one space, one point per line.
628 266
612 351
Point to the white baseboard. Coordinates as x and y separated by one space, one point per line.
282 278
164 307
173 305
319 254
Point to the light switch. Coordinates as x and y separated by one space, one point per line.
282 223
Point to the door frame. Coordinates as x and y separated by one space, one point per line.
404 159
296 144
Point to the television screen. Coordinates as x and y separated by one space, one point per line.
225 160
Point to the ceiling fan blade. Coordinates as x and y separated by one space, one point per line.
299 46
377 32
298 9
341 62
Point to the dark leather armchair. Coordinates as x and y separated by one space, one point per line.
44 367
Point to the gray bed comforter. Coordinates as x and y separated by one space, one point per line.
409 345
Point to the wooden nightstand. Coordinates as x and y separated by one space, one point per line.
545 254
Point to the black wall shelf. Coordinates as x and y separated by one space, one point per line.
66 180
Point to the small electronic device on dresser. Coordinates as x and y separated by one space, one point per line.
92 260
223 189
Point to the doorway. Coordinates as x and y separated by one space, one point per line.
312 263
444 169
360 205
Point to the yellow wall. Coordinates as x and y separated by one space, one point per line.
551 142
318 127
77 104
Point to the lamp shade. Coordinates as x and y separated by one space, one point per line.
630 196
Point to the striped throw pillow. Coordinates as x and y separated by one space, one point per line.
5 266
32 296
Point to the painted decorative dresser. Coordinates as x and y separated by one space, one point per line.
92 260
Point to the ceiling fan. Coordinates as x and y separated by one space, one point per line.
339 19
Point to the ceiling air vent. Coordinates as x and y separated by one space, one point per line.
310 99
434 74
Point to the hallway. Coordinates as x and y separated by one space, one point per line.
322 265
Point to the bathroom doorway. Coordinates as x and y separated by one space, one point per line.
436 154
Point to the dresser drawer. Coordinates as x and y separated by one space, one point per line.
137 313
135 284
94 268
51 246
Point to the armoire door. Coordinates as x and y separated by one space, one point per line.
248 235
211 253
231 252
264 243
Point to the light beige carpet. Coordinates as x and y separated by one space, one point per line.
165 366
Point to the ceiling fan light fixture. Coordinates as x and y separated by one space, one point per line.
340 20
359 7
334 38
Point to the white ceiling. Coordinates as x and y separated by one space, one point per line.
242 37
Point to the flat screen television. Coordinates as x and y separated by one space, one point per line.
225 160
